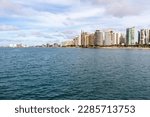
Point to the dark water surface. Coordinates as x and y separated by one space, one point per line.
71 73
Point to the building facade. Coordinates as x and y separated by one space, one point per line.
108 38
91 40
144 36
131 36
85 41
98 38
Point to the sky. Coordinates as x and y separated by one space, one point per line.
35 22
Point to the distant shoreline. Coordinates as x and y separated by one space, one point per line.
110 47
104 47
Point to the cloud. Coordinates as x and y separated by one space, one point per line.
84 12
138 21
38 35
59 2
121 8
64 20
9 7
8 28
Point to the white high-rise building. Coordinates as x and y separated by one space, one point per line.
108 38
144 36
79 40
116 38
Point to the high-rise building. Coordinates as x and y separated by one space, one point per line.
91 40
108 38
144 36
84 39
75 41
131 36
79 40
139 37
118 38
87 40
98 38
122 39
114 38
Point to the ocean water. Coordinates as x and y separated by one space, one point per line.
74 73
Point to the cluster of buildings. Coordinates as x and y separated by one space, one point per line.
17 45
48 45
110 38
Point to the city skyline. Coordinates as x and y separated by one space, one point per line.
41 21
105 38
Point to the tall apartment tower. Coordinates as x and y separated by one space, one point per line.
122 39
108 38
118 38
91 40
84 39
144 36
114 39
131 36
79 40
98 38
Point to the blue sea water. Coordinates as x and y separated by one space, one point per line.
74 73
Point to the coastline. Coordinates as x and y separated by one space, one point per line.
125 47
111 47
102 47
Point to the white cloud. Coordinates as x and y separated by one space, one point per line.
60 2
47 19
121 8
85 12
8 28
8 7
139 21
